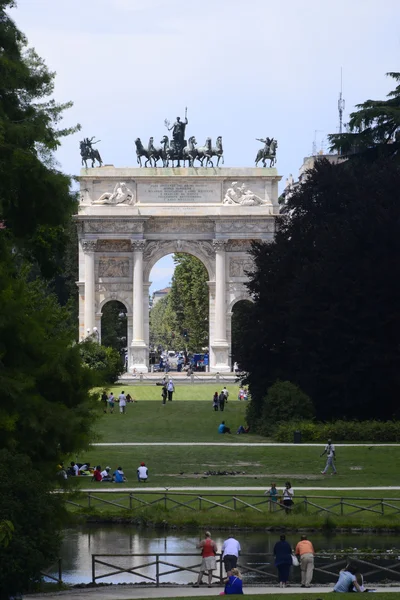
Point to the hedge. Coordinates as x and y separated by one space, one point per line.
344 431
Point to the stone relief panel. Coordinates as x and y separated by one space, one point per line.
238 245
114 267
113 226
239 266
121 194
179 225
114 245
102 288
241 226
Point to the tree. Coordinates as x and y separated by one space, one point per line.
189 301
35 198
326 313
105 363
164 328
114 326
374 128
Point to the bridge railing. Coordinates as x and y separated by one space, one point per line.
256 568
207 501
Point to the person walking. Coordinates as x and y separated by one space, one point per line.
230 554
221 401
111 402
164 393
305 552
287 497
330 460
226 393
170 389
283 560
104 399
122 403
208 563
215 401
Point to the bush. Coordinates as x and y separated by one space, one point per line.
105 362
284 401
345 431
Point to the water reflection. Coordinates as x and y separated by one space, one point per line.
80 544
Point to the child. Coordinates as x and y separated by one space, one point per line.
119 476
234 583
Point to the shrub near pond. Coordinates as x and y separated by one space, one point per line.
345 431
284 401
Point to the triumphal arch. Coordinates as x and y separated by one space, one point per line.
129 218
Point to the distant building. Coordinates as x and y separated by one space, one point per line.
308 163
158 294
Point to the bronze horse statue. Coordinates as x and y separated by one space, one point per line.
89 153
140 151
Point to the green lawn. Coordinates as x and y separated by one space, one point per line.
183 391
175 421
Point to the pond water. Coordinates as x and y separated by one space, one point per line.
80 543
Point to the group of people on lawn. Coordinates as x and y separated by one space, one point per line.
99 474
110 400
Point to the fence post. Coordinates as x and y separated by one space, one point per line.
199 502
89 500
234 502
157 570
306 504
382 507
130 501
165 500
60 570
93 568
341 506
220 568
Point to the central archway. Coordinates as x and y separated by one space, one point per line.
180 320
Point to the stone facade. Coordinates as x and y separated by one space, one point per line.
173 210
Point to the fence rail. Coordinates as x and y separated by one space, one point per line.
257 568
335 505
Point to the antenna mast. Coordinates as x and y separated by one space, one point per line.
341 103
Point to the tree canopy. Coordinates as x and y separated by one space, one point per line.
374 128
326 313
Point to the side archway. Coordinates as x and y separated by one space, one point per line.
114 326
237 308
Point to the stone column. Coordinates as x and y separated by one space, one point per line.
220 344
89 247
138 347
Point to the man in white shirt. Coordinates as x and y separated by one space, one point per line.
330 460
142 473
170 389
122 402
230 553
226 393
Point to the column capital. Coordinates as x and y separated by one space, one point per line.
219 245
89 246
138 245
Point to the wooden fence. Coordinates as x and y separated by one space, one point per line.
335 505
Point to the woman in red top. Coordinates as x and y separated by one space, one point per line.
97 476
209 563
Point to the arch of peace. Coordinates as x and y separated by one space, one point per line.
129 218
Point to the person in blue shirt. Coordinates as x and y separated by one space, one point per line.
234 583
119 476
223 428
283 560
347 580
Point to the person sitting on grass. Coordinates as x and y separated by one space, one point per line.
119 476
347 580
105 475
223 428
234 583
97 476
243 429
85 469
142 473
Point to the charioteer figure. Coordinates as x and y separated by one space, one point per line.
178 134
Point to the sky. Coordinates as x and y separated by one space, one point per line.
244 69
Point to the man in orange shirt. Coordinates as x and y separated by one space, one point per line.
305 551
